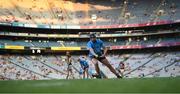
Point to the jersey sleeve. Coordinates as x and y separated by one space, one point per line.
89 45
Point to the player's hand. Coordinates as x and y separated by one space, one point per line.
96 56
102 55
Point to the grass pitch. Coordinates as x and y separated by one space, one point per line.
133 85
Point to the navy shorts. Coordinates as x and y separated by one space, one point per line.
85 67
98 58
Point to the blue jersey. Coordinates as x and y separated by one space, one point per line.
97 46
84 63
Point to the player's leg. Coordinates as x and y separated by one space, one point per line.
72 75
106 63
67 73
122 72
86 72
95 62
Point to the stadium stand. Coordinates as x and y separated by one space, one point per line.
88 12
77 43
160 64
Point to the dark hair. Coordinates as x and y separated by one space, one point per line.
93 35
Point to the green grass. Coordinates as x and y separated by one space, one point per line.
143 85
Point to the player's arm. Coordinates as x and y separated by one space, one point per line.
90 48
92 51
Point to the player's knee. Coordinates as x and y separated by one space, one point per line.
94 61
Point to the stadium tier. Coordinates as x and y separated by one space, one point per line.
87 13
78 42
